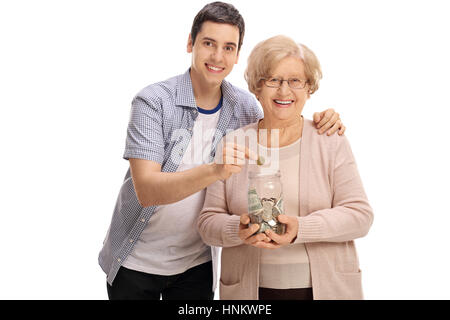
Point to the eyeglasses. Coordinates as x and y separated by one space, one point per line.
293 83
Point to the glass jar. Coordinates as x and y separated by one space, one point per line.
265 200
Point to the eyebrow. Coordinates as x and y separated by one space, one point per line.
227 43
297 76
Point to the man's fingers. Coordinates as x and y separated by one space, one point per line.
231 168
244 152
316 117
325 117
249 154
233 156
234 161
231 152
334 128
334 118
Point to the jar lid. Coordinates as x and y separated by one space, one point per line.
264 172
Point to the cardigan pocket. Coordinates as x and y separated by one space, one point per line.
346 258
348 286
347 266
231 291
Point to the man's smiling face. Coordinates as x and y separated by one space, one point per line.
215 51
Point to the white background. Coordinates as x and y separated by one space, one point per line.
68 72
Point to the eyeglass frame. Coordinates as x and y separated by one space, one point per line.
280 82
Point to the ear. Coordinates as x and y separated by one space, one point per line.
308 93
256 93
237 57
189 44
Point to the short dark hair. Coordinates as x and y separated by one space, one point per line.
219 12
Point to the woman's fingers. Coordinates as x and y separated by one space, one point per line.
291 230
269 239
283 239
245 219
266 245
246 232
276 237
260 237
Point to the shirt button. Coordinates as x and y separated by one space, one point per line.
142 220
131 240
118 259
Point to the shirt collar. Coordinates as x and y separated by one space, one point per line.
185 92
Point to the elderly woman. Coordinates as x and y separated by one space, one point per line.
325 206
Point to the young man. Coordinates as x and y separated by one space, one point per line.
152 247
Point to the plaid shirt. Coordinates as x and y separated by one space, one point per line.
160 127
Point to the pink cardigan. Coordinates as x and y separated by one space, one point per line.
334 211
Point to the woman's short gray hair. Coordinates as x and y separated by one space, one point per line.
268 53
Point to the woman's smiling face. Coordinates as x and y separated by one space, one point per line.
284 104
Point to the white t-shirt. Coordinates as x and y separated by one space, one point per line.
170 243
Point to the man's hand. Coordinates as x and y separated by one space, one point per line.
232 160
329 120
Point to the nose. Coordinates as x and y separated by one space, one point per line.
284 88
217 55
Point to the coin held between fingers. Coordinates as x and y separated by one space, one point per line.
260 161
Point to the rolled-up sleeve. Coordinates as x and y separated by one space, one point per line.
145 133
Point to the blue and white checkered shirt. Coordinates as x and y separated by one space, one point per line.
156 113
